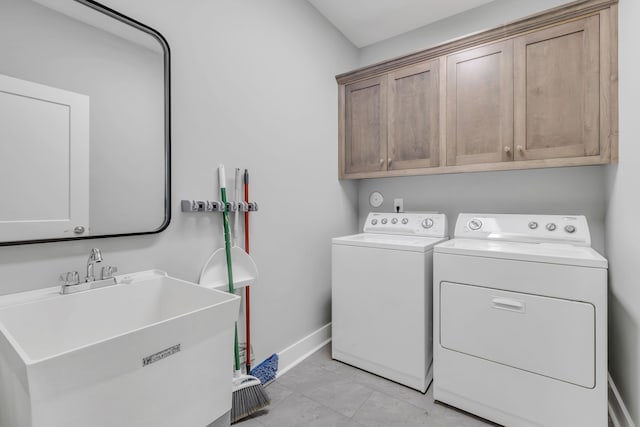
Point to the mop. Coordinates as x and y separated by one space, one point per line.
267 370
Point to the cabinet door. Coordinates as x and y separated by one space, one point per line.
43 129
480 105
413 117
366 125
557 91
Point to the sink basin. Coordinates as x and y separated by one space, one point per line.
151 350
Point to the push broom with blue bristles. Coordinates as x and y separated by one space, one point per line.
249 395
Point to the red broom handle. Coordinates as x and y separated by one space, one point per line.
246 214
247 288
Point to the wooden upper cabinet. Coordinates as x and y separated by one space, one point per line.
557 93
480 105
413 104
538 92
365 109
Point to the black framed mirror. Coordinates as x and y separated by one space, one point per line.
85 123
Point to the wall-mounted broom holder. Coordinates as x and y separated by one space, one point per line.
217 206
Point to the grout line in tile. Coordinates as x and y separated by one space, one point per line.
324 406
360 407
291 392
371 391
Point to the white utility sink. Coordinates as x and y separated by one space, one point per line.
149 351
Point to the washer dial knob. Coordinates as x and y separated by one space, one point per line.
533 225
405 221
427 223
384 220
551 226
394 220
475 224
570 229
374 221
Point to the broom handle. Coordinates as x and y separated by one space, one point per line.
227 249
247 288
225 222
236 214
246 214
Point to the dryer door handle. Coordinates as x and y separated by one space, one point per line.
508 304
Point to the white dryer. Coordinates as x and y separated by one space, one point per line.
520 321
381 296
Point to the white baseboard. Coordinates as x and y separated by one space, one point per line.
297 352
617 410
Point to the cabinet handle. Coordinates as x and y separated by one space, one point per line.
389 163
521 148
507 149
381 162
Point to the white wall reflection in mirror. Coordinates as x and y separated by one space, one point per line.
118 170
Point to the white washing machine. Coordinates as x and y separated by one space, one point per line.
381 296
520 321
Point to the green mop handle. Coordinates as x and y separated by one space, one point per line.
227 249
227 244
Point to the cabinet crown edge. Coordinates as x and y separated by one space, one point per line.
566 12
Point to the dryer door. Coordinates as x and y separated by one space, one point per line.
546 336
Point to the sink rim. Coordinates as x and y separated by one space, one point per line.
42 295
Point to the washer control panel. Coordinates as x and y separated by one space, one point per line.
570 229
428 224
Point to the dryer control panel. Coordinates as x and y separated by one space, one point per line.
570 229
426 224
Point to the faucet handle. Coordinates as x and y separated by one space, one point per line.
70 278
107 272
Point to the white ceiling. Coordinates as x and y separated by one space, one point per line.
365 22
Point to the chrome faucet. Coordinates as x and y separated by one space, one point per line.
94 257
70 282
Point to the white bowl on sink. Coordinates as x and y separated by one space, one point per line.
153 351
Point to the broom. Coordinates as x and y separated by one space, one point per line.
248 394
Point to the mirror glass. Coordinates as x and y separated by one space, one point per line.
84 123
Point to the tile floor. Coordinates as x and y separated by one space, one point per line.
321 392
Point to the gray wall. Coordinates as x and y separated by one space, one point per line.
125 84
622 231
252 87
571 191
487 16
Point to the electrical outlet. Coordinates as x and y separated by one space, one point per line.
398 205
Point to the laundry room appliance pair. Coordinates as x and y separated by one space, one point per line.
518 304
